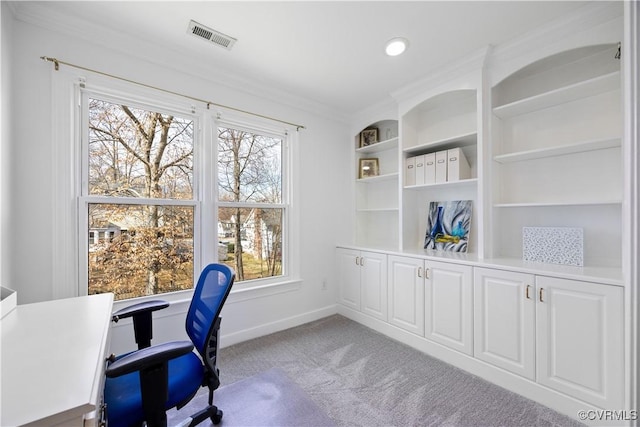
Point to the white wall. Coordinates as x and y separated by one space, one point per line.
5 131
323 165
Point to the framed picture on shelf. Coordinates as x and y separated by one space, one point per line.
368 168
368 137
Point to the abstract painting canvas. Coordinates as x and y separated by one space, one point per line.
448 226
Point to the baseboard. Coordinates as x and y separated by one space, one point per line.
279 325
557 401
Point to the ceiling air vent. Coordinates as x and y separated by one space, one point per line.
215 37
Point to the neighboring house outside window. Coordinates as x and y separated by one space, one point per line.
252 200
138 185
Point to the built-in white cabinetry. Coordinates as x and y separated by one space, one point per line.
504 320
432 299
448 304
540 126
406 293
349 271
363 281
557 161
377 199
580 340
565 334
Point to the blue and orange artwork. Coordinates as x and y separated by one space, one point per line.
448 226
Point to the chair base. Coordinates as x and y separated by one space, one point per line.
212 412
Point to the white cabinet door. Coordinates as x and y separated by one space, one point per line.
504 320
373 284
349 277
449 305
580 340
406 293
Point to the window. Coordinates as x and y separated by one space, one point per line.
139 198
164 189
252 201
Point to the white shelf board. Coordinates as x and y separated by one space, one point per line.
557 204
448 184
456 140
388 144
584 89
379 178
380 210
579 147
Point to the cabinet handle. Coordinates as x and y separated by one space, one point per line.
362 261
419 271
426 273
541 289
357 260
527 291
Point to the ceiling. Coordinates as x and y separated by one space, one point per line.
326 52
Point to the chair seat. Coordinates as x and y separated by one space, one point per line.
123 398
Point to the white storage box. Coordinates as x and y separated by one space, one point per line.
430 168
410 171
419 170
457 165
441 166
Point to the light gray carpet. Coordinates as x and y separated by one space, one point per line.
267 399
359 377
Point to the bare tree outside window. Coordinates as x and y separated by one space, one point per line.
146 248
250 221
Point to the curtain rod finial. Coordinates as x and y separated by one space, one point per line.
56 64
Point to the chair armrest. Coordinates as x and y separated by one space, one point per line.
147 357
132 310
142 320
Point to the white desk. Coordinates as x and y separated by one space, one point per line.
53 357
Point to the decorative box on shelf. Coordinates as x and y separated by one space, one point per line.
555 245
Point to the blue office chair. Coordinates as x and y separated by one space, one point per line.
142 385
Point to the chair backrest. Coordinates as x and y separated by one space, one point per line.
209 296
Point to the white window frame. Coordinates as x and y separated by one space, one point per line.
69 259
267 128
149 102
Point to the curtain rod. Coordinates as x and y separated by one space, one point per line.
56 62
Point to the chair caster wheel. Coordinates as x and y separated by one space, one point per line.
215 419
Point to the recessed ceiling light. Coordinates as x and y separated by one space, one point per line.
396 46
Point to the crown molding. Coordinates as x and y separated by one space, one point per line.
43 16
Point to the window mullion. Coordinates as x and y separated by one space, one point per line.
252 205
137 201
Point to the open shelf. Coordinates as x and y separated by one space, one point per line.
445 143
379 178
583 89
448 184
374 210
555 204
579 147
389 144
